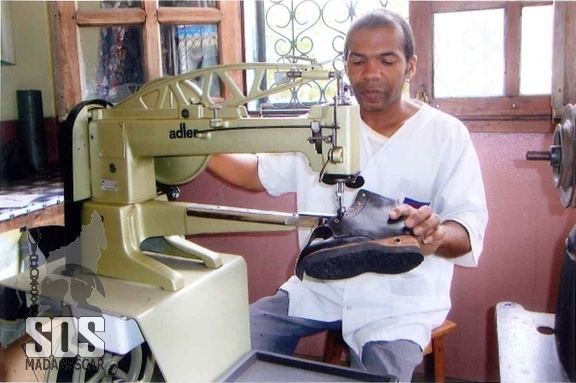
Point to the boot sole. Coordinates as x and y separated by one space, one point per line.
393 255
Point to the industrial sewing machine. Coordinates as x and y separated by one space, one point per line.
188 303
166 132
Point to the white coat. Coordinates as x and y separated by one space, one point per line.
430 160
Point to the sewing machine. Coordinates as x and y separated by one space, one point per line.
189 303
166 132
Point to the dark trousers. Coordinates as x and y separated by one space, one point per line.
273 330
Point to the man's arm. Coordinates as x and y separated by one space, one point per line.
237 169
455 242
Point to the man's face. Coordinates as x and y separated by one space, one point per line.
377 67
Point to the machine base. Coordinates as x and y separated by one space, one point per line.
196 333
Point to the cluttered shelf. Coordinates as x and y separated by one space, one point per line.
32 202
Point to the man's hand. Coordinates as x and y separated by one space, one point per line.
425 225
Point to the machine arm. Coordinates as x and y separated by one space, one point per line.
167 130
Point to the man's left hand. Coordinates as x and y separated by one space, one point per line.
425 225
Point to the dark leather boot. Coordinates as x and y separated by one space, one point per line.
362 240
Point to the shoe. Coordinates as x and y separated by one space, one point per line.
362 240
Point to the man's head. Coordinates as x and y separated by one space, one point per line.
379 53
379 18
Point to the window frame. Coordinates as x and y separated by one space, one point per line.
509 113
480 115
67 19
564 57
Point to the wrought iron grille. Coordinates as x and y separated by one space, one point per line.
311 30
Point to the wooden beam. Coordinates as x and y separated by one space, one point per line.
110 17
230 41
512 42
152 44
66 56
509 126
505 107
459 6
421 18
187 16
564 56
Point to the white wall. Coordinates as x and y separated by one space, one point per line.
33 67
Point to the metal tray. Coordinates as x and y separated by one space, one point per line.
260 366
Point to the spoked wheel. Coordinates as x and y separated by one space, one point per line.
136 366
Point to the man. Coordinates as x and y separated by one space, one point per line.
409 152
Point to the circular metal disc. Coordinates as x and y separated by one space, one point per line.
567 174
179 170
557 168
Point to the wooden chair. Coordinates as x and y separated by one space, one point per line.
434 367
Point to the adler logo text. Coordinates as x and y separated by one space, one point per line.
182 132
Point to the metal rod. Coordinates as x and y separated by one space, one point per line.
538 156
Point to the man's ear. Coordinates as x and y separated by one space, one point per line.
411 67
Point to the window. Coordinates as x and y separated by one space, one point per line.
284 28
302 31
487 63
107 49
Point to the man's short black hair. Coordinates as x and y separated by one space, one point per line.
383 17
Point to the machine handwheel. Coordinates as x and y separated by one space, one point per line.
136 366
562 157
567 178
179 170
